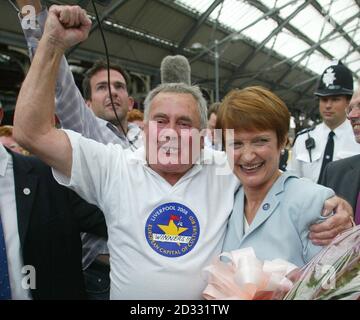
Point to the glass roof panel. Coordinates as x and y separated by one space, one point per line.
352 29
317 63
239 14
261 30
340 10
288 45
311 23
338 48
236 15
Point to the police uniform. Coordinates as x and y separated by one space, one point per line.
308 150
344 146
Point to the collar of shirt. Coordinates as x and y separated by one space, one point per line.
341 130
4 160
132 134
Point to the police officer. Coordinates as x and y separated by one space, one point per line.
332 139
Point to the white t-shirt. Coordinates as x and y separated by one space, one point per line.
160 236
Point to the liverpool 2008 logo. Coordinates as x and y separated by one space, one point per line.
172 229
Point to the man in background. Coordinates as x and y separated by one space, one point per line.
333 138
93 117
211 139
343 176
40 225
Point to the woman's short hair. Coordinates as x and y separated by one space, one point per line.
254 108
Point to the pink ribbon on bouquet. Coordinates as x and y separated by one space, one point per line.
245 277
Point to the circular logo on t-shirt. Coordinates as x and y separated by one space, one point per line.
172 230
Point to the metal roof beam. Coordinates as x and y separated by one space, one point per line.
316 46
108 13
230 36
130 65
196 26
259 5
17 40
318 8
134 35
291 60
252 54
280 87
190 13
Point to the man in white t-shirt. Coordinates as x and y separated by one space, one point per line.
166 205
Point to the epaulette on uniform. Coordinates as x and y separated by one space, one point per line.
306 130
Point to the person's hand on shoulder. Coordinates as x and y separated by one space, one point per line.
323 233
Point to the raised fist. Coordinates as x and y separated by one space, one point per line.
66 26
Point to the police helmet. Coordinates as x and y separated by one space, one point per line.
335 80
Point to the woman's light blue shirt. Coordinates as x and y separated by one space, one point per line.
281 226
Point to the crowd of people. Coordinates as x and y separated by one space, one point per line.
120 204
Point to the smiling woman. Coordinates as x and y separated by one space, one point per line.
273 210
261 122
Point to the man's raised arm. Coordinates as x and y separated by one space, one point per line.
70 108
34 113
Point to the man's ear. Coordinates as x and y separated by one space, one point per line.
88 103
285 143
131 103
1 114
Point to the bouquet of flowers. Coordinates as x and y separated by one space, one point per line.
332 274
244 277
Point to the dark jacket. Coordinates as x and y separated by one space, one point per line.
50 219
343 176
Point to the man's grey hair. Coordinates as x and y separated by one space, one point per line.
178 88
